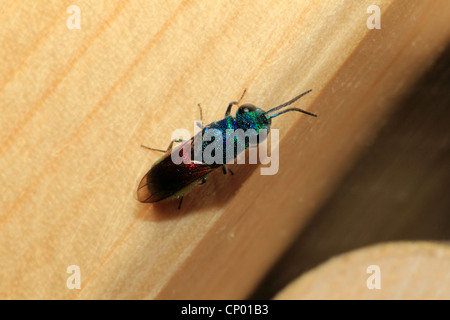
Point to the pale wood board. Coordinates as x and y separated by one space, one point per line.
397 189
405 270
77 104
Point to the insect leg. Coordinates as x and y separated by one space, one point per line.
179 203
203 180
230 105
201 117
169 148
225 170
201 112
227 113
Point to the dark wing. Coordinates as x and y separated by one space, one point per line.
166 179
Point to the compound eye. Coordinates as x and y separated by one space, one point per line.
245 108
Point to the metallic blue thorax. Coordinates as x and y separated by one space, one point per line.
250 125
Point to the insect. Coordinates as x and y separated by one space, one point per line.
167 180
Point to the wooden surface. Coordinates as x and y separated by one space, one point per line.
397 189
78 104
403 271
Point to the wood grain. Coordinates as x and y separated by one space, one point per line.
407 270
77 104
397 189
